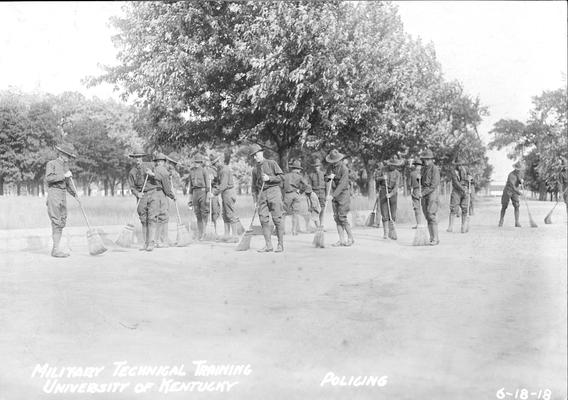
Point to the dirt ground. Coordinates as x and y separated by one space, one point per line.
481 312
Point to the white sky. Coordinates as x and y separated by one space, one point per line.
503 52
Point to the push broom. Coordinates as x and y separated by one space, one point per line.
94 241
392 230
531 221
244 242
319 237
126 236
421 235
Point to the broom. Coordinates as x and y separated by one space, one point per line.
466 222
531 221
183 237
421 237
210 233
548 218
126 236
392 230
372 216
94 241
319 237
244 241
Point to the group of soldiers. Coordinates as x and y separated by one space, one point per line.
276 194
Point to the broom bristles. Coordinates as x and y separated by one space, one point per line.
392 231
548 219
531 221
319 238
244 242
421 237
95 243
370 219
183 237
126 236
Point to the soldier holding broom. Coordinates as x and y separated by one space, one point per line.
317 182
199 189
57 178
430 180
387 182
339 195
266 180
294 184
512 192
415 189
224 186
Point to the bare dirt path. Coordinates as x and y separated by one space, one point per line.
480 312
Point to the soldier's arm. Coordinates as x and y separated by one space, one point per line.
167 186
396 183
132 185
53 174
275 173
70 187
223 180
428 184
305 185
207 180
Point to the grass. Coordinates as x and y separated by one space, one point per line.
31 212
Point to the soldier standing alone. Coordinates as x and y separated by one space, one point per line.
268 176
58 180
460 197
430 180
512 192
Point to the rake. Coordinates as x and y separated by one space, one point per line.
95 242
244 242
531 221
319 237
126 236
392 230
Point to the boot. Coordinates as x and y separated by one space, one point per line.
435 241
200 232
350 240
502 217
385 230
464 223
430 233
161 235
55 252
517 223
266 232
280 235
152 228
451 223
227 230
144 237
235 231
417 217
165 234
341 233
295 224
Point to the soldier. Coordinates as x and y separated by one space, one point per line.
270 199
136 179
460 197
294 184
340 196
430 180
512 191
199 190
317 183
415 190
224 186
389 178
162 233
58 180
162 182
215 207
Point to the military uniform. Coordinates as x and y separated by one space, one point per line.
165 190
512 192
392 181
430 180
316 181
57 186
148 207
199 187
460 196
415 193
340 193
294 184
214 199
269 199
224 186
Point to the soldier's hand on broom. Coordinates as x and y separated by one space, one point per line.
68 174
265 178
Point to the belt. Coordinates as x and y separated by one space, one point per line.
150 190
192 189
292 191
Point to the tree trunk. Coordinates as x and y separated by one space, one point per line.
283 154
542 191
105 185
122 187
1 185
18 188
42 187
112 185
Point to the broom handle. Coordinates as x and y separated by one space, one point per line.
420 200
468 197
327 194
79 201
175 202
256 206
210 202
140 198
388 202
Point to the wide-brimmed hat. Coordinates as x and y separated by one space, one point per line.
334 156
295 165
316 162
213 158
518 165
173 157
158 157
426 154
394 161
416 161
254 148
66 148
199 158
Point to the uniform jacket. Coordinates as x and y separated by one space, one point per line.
459 178
340 183
415 184
430 179
162 179
393 179
513 182
223 180
55 176
295 182
198 179
317 181
270 168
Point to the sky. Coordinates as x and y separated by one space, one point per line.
503 52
